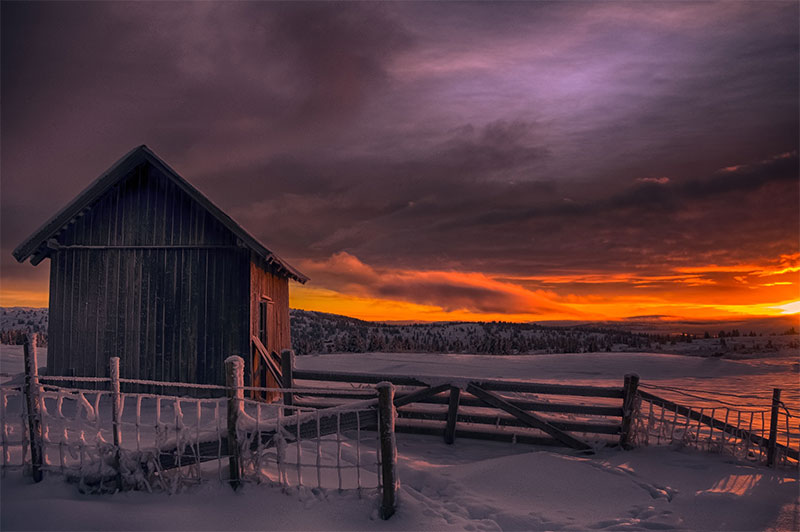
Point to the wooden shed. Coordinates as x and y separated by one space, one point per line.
143 266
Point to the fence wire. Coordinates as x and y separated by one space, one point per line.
168 442
743 434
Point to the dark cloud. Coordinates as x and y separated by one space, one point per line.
509 138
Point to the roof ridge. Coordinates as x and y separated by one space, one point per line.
34 244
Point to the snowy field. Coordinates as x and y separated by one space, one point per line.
750 379
475 485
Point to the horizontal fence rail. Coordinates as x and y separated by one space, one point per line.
338 431
492 385
108 440
504 410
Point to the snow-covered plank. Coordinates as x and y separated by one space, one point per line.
535 422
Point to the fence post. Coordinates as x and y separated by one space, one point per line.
116 406
628 401
772 446
386 416
287 371
34 406
452 415
234 381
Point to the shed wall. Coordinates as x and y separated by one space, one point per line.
265 284
172 309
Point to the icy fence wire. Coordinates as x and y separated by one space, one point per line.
280 449
14 429
654 424
167 442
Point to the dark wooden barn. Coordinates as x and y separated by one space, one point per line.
143 266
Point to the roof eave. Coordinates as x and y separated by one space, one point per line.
32 245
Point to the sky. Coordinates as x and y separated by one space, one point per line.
522 161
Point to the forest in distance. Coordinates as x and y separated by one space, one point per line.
320 333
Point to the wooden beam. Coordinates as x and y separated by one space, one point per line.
38 257
773 427
405 427
287 378
388 446
234 380
273 368
116 407
549 389
492 385
452 416
467 400
419 395
533 421
536 406
33 402
508 421
630 387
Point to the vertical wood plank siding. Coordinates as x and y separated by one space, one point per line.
169 314
264 283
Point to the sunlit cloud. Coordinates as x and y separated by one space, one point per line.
362 289
448 290
656 180
733 168
789 308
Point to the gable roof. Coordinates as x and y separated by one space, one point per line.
35 246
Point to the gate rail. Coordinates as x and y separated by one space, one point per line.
502 410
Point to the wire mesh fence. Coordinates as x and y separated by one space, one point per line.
167 442
746 433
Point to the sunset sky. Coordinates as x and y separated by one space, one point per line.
433 161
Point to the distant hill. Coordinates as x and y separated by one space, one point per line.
319 332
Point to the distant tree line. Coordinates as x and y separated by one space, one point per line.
314 332
17 337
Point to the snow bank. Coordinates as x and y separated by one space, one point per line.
467 486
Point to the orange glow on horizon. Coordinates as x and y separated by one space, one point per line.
24 298
345 285
374 309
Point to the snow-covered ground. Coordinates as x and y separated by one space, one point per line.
467 486
475 485
752 379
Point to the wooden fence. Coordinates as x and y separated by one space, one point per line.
579 417
582 418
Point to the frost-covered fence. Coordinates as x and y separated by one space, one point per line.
106 440
78 436
169 441
769 434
